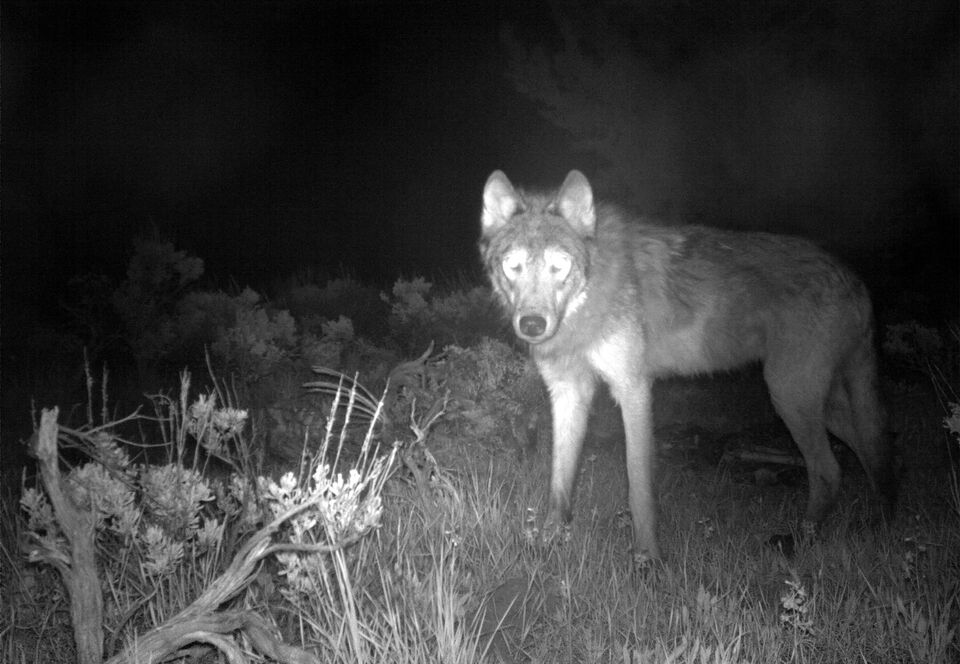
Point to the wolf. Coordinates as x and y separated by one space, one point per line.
598 296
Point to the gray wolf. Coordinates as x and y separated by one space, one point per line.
597 296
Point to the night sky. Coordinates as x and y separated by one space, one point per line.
355 137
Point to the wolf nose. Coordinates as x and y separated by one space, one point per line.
532 326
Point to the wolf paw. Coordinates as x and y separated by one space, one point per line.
555 533
643 560
554 530
645 566
531 533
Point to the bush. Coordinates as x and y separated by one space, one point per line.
312 304
418 318
146 301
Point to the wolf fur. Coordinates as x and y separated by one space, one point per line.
600 297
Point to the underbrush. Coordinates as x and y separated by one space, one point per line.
265 524
450 575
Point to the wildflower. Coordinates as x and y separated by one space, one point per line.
163 554
210 535
174 496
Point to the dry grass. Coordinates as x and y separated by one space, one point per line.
450 577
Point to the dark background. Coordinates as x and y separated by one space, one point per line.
355 137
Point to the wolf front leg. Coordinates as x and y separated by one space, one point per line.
636 402
571 393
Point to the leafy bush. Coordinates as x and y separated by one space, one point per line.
492 393
418 318
259 341
312 304
157 277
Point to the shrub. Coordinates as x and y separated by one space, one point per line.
312 304
418 318
258 342
157 277
492 396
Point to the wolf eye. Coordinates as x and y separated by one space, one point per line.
513 265
559 266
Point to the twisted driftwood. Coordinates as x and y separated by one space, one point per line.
79 570
200 622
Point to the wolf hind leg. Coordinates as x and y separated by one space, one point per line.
855 416
800 400
570 399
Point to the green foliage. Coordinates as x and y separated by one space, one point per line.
260 340
312 304
418 317
202 318
497 393
166 322
248 338
494 397
157 277
329 349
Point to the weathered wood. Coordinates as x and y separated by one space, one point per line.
79 526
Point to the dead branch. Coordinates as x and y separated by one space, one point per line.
79 526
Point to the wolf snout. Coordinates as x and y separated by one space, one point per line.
532 326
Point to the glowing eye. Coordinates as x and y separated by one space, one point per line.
513 265
559 265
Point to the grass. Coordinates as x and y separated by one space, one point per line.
871 594
449 576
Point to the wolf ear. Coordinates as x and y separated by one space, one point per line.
500 201
575 203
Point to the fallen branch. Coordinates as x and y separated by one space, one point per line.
201 620
79 570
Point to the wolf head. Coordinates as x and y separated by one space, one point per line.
536 249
